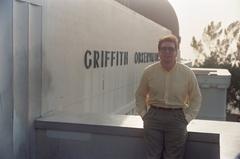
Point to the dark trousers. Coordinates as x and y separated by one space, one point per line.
165 133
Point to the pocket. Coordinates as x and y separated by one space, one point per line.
184 117
147 114
180 116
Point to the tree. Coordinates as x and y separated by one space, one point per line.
220 48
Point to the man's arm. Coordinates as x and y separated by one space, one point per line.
140 96
195 99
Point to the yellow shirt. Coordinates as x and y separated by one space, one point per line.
173 89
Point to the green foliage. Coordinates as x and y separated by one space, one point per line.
220 48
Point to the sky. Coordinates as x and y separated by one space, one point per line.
194 15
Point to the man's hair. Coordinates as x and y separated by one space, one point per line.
168 38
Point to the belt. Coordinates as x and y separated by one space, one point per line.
163 108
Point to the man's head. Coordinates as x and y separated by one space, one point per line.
168 48
168 38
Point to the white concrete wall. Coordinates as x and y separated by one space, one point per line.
213 84
73 27
27 55
20 76
6 76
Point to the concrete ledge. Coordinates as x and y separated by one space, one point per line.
93 123
107 136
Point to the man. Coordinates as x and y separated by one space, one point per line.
167 99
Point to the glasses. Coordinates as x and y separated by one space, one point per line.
169 49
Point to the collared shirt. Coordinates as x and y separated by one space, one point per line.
172 89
